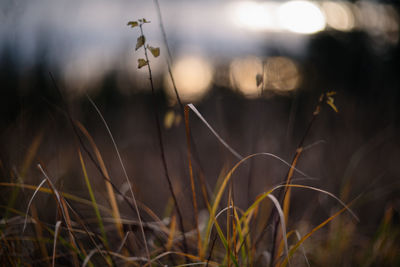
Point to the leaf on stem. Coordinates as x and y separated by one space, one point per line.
140 42
155 51
142 62
133 24
330 101
259 79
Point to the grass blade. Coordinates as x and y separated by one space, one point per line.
294 248
227 179
282 219
62 207
56 233
93 199
264 195
171 233
194 109
125 174
192 185
30 202
110 191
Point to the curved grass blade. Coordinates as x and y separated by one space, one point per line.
93 199
49 191
282 219
194 109
192 185
264 195
30 202
294 248
56 233
61 204
125 174
110 191
225 182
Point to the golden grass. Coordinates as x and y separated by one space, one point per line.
80 240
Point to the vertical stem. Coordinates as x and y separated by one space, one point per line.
195 154
161 143
189 156
283 194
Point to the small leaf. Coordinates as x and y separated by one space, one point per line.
259 79
145 21
133 24
142 63
331 93
140 42
330 101
155 51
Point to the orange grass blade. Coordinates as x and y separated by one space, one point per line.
192 185
171 235
110 191
125 174
39 234
286 201
294 248
224 183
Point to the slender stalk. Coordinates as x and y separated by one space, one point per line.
192 185
282 196
195 154
169 61
161 143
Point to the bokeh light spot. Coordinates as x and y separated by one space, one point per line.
301 17
243 74
193 76
281 74
255 15
338 15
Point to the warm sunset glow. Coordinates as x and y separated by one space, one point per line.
243 74
339 15
301 17
255 15
281 74
193 76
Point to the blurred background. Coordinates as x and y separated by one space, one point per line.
297 49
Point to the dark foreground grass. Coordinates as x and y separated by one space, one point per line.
109 226
83 231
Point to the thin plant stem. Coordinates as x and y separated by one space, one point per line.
283 193
161 144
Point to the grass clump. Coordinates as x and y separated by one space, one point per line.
94 229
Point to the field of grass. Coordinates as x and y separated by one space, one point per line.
96 214
179 191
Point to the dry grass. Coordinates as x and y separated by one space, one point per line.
227 237
94 229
